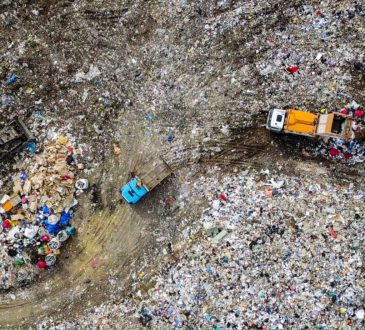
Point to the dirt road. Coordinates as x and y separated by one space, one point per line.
109 241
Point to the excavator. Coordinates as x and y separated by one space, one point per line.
13 137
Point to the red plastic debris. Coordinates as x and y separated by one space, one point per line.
65 177
293 69
6 224
223 197
45 238
170 201
332 232
344 111
318 13
347 155
95 263
334 152
41 264
70 150
359 113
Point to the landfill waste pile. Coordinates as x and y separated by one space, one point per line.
271 251
217 62
134 77
36 215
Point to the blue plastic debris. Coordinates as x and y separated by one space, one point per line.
11 79
31 147
23 175
46 210
65 218
169 138
149 116
52 229
70 231
225 260
6 100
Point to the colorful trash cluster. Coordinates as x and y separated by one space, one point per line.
36 215
352 151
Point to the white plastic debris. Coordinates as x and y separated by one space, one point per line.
82 184
91 74
360 314
31 231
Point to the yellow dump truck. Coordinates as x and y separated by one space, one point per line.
310 124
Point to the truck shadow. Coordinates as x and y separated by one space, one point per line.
295 146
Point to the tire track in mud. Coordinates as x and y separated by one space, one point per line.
63 286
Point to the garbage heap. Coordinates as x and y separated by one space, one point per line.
271 251
35 216
352 151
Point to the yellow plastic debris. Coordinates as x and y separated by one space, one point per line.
63 139
342 310
117 149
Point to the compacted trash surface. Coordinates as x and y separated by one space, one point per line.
252 230
269 251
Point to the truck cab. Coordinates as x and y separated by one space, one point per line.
275 120
134 191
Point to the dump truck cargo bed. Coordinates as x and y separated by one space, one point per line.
336 125
153 173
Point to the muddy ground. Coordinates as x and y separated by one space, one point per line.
204 73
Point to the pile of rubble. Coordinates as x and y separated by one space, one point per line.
270 252
35 216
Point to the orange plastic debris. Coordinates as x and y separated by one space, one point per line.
8 206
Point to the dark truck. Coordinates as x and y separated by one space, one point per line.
13 137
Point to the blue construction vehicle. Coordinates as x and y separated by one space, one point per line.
145 180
